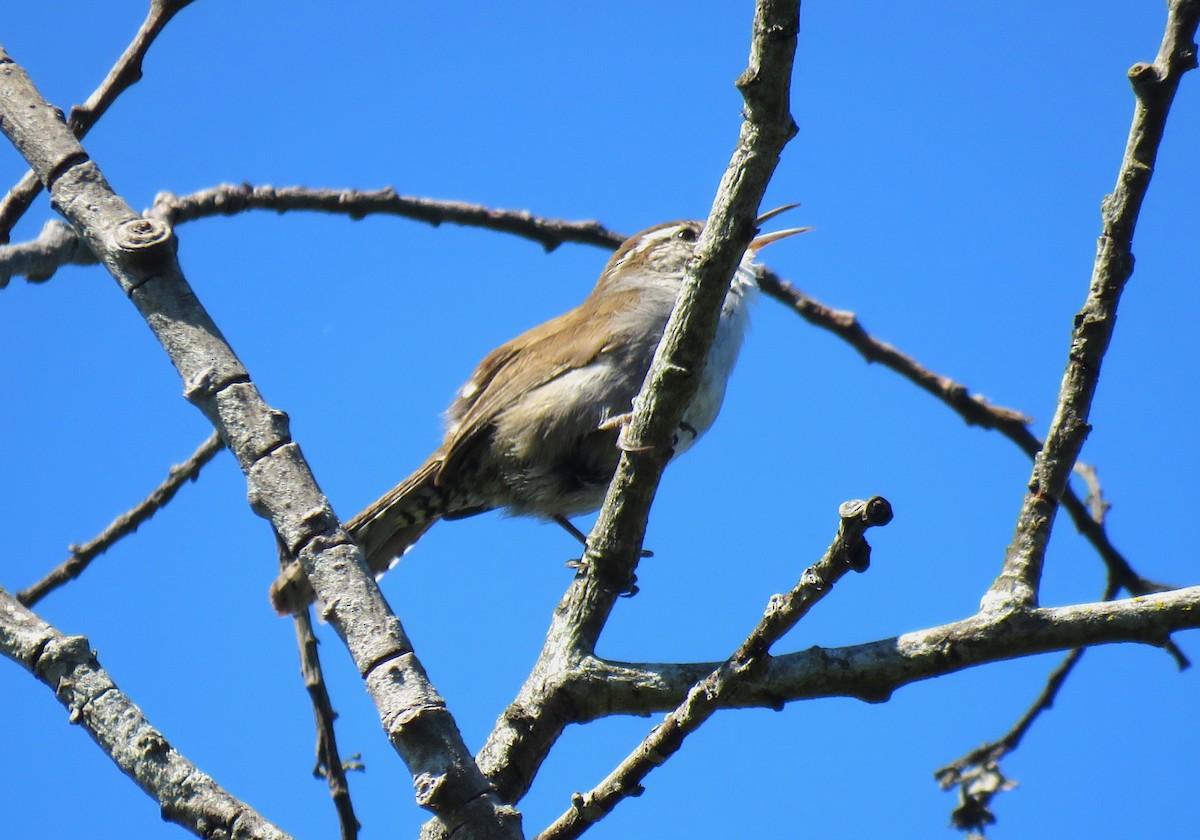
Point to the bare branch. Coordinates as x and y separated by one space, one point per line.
849 551
229 199
523 735
1154 86
974 410
125 524
975 773
123 75
1094 501
140 254
57 245
873 671
329 765
38 259
68 667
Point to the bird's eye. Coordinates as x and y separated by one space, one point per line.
686 234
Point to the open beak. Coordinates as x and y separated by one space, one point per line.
771 214
760 242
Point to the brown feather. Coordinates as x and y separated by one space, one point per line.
380 537
532 359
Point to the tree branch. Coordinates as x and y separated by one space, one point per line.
229 199
526 730
977 774
140 254
849 551
874 670
1154 86
69 667
974 410
123 75
125 524
39 258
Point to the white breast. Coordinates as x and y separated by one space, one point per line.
735 318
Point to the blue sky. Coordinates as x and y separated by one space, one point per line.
951 158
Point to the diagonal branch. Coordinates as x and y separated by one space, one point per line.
616 540
330 765
69 668
522 737
849 551
977 774
974 410
123 525
140 254
124 74
1154 86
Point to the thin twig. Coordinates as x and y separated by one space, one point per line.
1094 501
37 259
849 551
977 774
230 199
1154 86
973 409
125 524
123 75
329 765
996 750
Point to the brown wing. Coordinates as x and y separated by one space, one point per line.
544 353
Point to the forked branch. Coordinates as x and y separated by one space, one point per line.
849 551
140 254
125 73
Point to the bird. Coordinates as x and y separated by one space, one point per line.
534 431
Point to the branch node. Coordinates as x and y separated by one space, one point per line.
1143 75
142 236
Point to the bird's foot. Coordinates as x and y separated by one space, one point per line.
621 421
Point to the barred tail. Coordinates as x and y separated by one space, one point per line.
384 531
